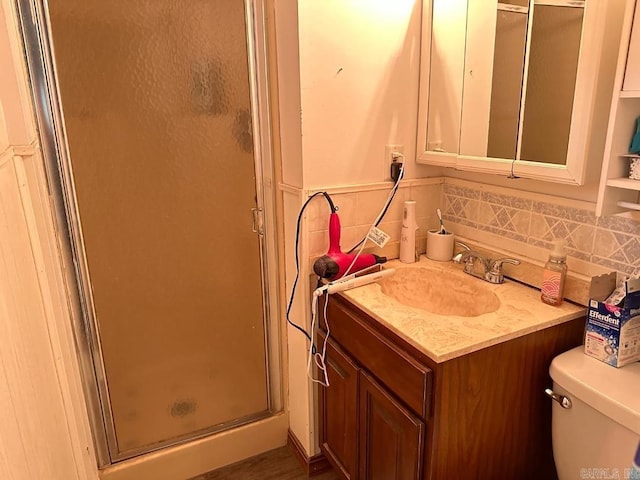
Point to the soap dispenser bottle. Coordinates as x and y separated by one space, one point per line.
408 233
554 275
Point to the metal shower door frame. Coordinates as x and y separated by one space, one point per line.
35 29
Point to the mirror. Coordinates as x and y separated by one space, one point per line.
518 94
514 85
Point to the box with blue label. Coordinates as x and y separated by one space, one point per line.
613 331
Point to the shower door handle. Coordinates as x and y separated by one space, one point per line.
256 221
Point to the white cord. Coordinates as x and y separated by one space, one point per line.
318 358
357 255
375 222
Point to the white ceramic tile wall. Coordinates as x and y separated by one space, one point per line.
360 207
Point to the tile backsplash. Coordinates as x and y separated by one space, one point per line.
523 223
359 207
532 220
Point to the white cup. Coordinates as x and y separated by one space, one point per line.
440 245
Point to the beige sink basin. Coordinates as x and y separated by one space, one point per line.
441 293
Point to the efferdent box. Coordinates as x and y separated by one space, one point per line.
613 332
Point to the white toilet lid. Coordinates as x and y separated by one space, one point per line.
615 392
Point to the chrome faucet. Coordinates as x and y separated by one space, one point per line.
468 258
491 269
457 256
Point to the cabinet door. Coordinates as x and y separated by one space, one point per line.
391 437
338 410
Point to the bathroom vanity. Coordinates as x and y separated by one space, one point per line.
420 395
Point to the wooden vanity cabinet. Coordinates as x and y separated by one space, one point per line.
338 410
356 411
390 412
391 438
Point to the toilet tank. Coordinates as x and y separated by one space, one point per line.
598 436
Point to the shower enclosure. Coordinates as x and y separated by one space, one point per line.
153 122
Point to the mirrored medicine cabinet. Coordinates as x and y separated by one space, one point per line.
520 87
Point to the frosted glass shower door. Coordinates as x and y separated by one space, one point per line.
157 112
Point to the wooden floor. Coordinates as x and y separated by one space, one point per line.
279 464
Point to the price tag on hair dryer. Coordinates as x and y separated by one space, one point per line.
378 237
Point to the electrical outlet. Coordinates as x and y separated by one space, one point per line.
389 151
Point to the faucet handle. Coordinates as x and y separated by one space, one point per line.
496 265
494 275
468 258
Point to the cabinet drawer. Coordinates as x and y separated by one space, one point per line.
392 366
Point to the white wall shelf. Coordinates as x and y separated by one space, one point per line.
617 192
625 183
629 205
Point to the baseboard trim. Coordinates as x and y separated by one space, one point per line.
311 465
205 454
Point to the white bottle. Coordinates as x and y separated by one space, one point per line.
408 233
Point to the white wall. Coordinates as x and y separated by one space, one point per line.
348 74
44 431
359 72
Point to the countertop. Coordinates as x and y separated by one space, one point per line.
443 337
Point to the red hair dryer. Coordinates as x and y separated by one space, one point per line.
335 263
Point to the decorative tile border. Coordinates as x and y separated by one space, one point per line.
503 233
510 220
460 209
506 200
538 220
619 224
619 247
619 267
564 213
460 191
572 252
